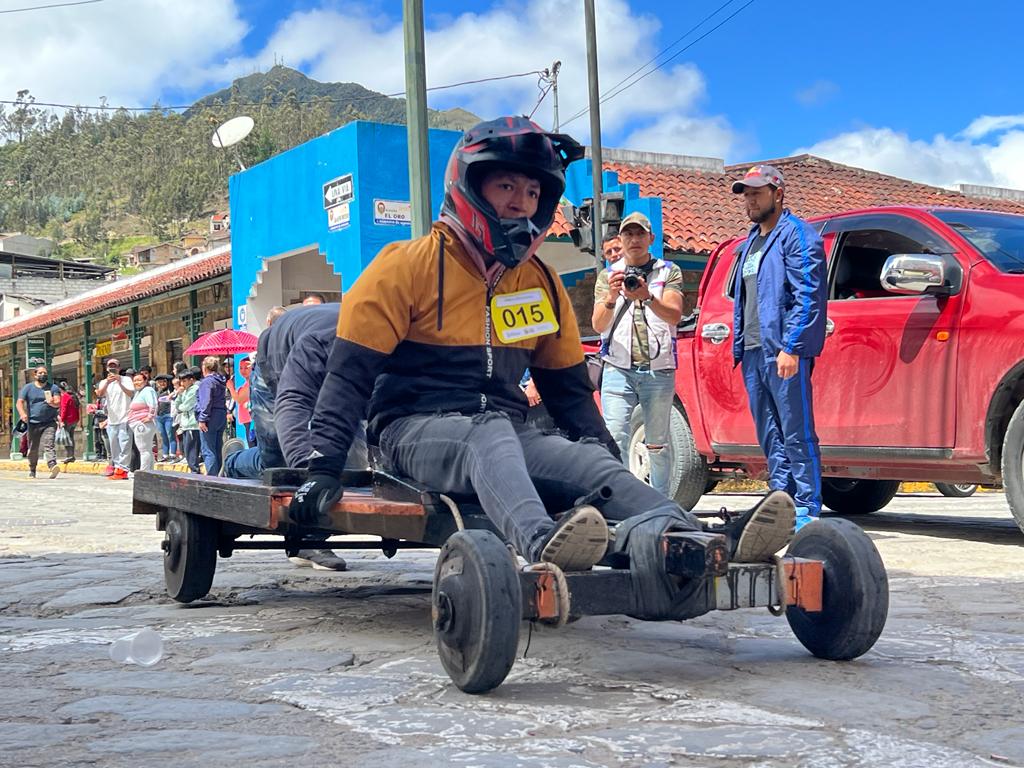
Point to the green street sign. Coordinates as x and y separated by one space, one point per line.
35 351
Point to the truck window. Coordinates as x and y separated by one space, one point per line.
730 285
857 265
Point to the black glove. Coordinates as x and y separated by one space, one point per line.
314 498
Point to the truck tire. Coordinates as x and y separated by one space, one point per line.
1013 465
857 497
956 490
689 467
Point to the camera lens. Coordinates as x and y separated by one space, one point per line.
631 282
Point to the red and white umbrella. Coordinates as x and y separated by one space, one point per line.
226 341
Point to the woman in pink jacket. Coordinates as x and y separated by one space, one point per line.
142 420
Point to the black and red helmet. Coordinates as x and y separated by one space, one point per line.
518 144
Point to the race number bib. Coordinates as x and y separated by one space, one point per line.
522 315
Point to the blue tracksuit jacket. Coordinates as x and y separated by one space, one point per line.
792 290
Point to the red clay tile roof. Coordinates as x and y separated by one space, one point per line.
180 274
699 210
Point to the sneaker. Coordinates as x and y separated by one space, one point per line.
318 560
234 445
119 474
109 471
54 471
757 534
578 541
803 519
31 474
68 461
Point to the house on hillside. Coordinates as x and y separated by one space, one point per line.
193 243
220 222
145 256
29 282
26 245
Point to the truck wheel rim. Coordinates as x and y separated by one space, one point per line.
639 459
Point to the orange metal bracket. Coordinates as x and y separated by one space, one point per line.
804 580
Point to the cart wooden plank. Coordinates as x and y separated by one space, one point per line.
251 504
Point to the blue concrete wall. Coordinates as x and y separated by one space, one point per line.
277 206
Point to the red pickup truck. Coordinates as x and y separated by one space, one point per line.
921 377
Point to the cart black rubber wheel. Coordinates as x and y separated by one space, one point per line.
855 591
857 497
956 490
190 555
477 607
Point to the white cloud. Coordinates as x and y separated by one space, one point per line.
817 93
986 124
125 51
941 161
351 44
682 135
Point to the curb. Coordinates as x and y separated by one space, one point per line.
82 467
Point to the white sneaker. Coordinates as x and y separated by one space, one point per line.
319 560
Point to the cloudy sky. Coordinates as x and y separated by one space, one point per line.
930 91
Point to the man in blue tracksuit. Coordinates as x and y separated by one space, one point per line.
779 321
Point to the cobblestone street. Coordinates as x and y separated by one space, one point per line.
286 665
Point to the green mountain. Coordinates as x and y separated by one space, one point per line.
344 101
96 180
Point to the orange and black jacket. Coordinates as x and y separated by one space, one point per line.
417 322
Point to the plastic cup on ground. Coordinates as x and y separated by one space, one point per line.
144 648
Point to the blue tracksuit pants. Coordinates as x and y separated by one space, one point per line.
784 416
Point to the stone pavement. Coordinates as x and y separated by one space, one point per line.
289 666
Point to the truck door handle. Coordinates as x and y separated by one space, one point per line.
830 327
716 333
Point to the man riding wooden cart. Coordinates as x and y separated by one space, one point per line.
432 342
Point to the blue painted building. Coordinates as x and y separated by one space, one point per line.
310 219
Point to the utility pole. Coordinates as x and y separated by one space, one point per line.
550 75
416 116
595 128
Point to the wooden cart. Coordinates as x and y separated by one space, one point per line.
831 584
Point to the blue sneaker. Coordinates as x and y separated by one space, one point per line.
803 517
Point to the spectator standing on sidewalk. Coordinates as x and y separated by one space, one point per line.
185 406
142 419
118 391
164 417
781 291
38 406
211 413
70 416
638 302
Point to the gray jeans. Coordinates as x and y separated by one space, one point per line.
41 436
511 467
120 437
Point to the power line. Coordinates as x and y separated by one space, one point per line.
319 100
673 44
54 5
613 93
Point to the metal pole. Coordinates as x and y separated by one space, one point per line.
554 89
416 116
595 128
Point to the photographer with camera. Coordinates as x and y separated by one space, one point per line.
638 302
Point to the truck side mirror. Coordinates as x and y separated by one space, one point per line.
915 273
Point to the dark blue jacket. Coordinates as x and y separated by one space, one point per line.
292 361
792 291
211 407
277 342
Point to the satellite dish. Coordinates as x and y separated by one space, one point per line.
230 133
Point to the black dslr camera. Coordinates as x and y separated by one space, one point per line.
633 276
